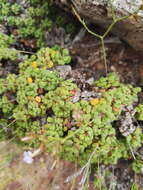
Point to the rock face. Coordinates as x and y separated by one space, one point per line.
100 12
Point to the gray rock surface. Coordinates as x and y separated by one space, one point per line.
100 12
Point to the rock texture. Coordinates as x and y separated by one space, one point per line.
100 12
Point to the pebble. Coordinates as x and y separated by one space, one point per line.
27 157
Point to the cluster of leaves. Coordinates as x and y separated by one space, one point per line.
30 20
63 20
137 165
5 51
139 110
38 104
28 89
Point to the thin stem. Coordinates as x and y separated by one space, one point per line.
104 54
86 169
109 28
8 125
84 24
22 51
101 37
72 135
112 10
131 150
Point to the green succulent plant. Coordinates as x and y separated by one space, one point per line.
5 51
33 20
26 24
40 104
137 165
139 110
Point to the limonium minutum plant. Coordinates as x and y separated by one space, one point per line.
38 107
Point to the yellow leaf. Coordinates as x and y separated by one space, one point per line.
38 99
94 101
65 128
50 64
34 64
29 80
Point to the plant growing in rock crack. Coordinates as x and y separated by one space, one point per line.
37 105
